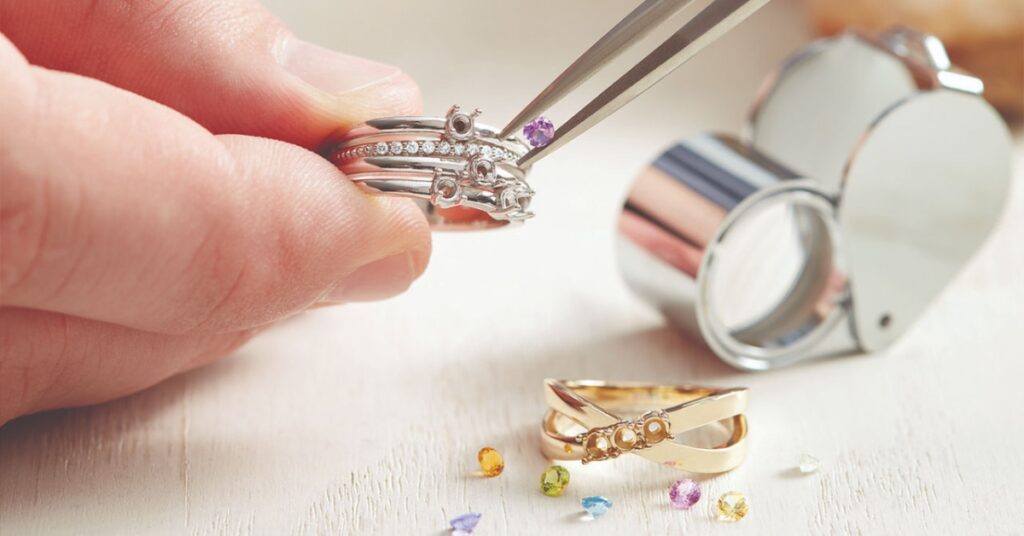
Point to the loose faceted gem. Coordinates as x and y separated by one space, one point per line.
596 505
427 147
465 523
733 506
396 147
381 147
539 132
491 462
808 464
684 494
554 480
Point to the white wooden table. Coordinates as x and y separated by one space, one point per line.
366 419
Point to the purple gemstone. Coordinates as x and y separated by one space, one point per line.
684 494
465 523
539 131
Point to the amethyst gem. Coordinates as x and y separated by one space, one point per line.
539 132
465 523
684 494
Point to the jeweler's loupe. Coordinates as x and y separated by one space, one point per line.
872 172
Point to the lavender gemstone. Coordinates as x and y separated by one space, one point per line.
465 523
539 132
684 494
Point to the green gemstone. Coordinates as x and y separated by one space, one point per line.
554 480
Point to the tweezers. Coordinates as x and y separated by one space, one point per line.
708 25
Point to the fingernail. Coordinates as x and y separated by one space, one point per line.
379 279
330 71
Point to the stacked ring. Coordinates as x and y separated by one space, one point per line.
459 171
575 427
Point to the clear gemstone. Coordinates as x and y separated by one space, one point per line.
684 494
382 148
596 505
428 147
539 132
732 506
466 523
396 147
808 464
554 480
472 149
654 427
485 151
459 149
411 147
444 147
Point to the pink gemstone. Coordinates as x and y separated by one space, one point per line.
684 494
539 132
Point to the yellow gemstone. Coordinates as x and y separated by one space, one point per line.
733 506
567 449
554 480
491 462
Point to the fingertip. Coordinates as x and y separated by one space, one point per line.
398 95
349 88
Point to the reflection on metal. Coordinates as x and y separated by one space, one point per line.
872 172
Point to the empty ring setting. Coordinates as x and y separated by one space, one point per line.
461 172
583 422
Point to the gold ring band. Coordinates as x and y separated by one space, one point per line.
584 422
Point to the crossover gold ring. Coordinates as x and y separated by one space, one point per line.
695 429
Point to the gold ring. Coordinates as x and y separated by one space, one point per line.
584 422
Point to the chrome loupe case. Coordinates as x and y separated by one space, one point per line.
871 173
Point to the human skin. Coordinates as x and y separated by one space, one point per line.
160 200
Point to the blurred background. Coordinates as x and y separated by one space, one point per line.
985 37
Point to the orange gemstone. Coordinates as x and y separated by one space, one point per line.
491 462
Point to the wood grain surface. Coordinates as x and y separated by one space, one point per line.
366 419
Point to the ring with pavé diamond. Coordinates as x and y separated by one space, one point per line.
459 171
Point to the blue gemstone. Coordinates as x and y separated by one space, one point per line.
596 506
465 523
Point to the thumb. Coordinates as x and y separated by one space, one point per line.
229 65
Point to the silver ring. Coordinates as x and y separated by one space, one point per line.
458 170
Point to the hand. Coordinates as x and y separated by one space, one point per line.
158 198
